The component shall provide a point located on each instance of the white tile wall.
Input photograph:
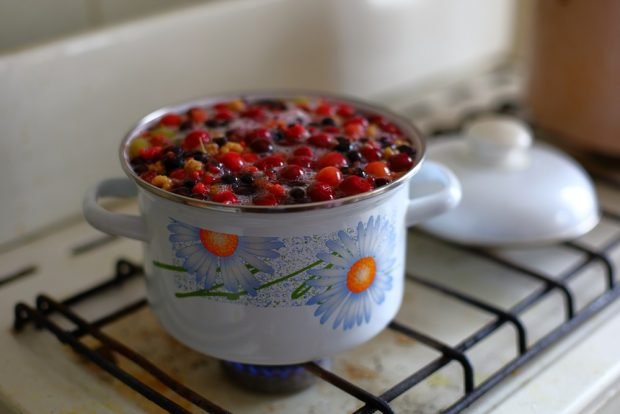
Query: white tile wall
(27, 22)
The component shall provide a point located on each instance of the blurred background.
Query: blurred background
(75, 75)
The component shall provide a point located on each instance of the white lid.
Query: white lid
(514, 192)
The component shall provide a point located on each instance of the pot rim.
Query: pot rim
(406, 126)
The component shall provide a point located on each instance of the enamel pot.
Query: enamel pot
(275, 285)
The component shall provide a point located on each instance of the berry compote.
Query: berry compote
(271, 152)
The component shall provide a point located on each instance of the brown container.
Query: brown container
(573, 88)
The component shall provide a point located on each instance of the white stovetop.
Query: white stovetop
(39, 375)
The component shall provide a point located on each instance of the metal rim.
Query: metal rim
(409, 130)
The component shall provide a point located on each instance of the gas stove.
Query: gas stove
(502, 331)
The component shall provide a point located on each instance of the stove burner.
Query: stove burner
(272, 379)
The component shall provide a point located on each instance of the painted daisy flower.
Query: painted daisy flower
(207, 254)
(357, 275)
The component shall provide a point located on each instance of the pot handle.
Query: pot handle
(116, 224)
(430, 204)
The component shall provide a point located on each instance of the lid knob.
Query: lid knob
(499, 140)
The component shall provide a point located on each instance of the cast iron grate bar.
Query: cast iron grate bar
(361, 394)
(24, 314)
(114, 316)
(19, 274)
(594, 307)
(502, 315)
(568, 296)
(447, 352)
(47, 304)
(592, 255)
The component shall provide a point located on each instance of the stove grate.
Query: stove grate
(40, 316)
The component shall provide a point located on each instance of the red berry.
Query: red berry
(249, 157)
(354, 185)
(370, 153)
(391, 129)
(357, 120)
(320, 140)
(320, 192)
(333, 159)
(196, 175)
(208, 179)
(199, 188)
(303, 151)
(292, 172)
(345, 110)
(254, 112)
(150, 153)
(354, 130)
(258, 133)
(400, 162)
(265, 199)
(249, 169)
(295, 132)
(158, 141)
(148, 176)
(225, 197)
(261, 145)
(224, 114)
(331, 129)
(271, 161)
(197, 115)
(178, 174)
(329, 175)
(301, 161)
(324, 109)
(194, 139)
(233, 161)
(377, 169)
(213, 169)
(275, 189)
(171, 119)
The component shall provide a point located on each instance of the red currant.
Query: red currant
(225, 197)
(377, 169)
(320, 192)
(301, 161)
(303, 151)
(265, 199)
(199, 188)
(197, 115)
(292, 172)
(320, 141)
(400, 162)
(370, 153)
(195, 139)
(345, 110)
(354, 185)
(233, 161)
(272, 161)
(295, 133)
(333, 159)
(329, 175)
(171, 120)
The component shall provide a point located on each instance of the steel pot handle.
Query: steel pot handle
(117, 224)
(425, 202)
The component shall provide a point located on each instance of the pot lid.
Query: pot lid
(514, 191)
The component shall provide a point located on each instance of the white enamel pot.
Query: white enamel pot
(275, 285)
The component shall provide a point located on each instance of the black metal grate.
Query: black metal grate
(45, 306)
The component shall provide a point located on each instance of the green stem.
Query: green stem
(236, 295)
(169, 267)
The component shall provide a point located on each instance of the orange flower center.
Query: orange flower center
(220, 244)
(361, 275)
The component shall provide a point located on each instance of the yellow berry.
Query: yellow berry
(157, 167)
(167, 132)
(231, 147)
(388, 152)
(136, 145)
(302, 100)
(212, 148)
(192, 165)
(236, 105)
(162, 181)
(372, 131)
